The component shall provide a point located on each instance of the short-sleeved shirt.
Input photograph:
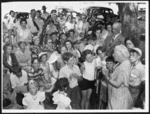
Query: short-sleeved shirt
(18, 82)
(66, 72)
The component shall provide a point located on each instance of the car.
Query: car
(107, 13)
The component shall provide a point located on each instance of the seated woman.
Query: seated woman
(36, 73)
(23, 55)
(45, 66)
(36, 47)
(9, 58)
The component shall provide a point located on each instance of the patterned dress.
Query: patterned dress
(120, 98)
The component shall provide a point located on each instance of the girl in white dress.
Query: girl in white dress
(60, 96)
(34, 98)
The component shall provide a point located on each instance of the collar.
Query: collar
(116, 35)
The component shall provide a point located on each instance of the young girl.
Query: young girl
(60, 96)
(34, 98)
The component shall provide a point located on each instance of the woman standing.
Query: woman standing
(120, 97)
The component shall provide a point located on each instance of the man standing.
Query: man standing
(33, 25)
(44, 14)
(115, 39)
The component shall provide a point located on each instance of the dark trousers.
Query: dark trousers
(75, 96)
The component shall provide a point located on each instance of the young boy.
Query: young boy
(105, 90)
(73, 74)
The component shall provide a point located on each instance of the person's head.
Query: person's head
(51, 22)
(62, 84)
(63, 49)
(100, 52)
(22, 45)
(43, 56)
(6, 40)
(68, 44)
(12, 13)
(17, 71)
(44, 8)
(62, 37)
(110, 62)
(38, 13)
(135, 54)
(116, 28)
(23, 23)
(68, 58)
(33, 87)
(131, 42)
(8, 47)
(84, 40)
(54, 36)
(49, 41)
(98, 31)
(33, 13)
(69, 18)
(87, 55)
(109, 27)
(71, 33)
(91, 40)
(36, 40)
(121, 53)
(35, 63)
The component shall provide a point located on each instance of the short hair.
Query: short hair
(99, 48)
(98, 28)
(38, 11)
(72, 30)
(7, 45)
(11, 12)
(33, 59)
(40, 58)
(53, 33)
(123, 49)
(32, 10)
(134, 40)
(85, 53)
(110, 59)
(61, 84)
(23, 20)
(19, 43)
(66, 56)
(68, 41)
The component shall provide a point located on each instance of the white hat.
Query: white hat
(137, 50)
(54, 56)
(42, 53)
(100, 16)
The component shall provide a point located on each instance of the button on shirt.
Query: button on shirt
(66, 72)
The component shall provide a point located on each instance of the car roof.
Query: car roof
(98, 7)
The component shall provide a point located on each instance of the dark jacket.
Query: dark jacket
(108, 47)
(14, 62)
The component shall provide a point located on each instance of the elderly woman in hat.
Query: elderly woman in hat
(23, 55)
(118, 80)
(137, 73)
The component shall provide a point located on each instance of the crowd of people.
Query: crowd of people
(58, 60)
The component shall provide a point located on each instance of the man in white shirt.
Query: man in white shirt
(19, 82)
(33, 24)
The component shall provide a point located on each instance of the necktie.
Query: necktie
(35, 24)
